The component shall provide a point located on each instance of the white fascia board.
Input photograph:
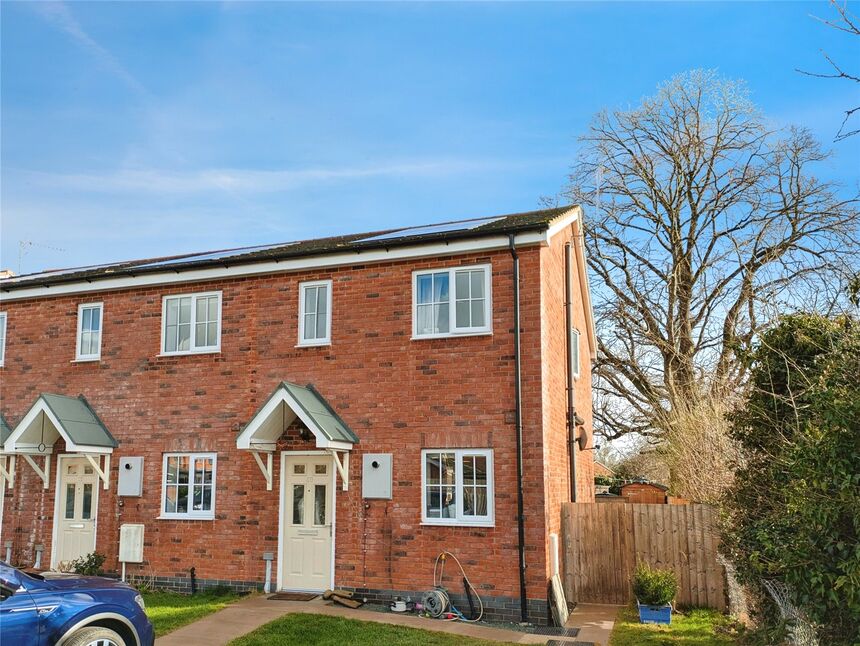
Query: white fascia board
(246, 439)
(276, 266)
(563, 221)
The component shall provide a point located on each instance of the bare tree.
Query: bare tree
(701, 220)
(849, 24)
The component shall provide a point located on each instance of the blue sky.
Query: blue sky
(131, 130)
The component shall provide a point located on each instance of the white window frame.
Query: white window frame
(453, 330)
(460, 520)
(302, 287)
(192, 349)
(98, 354)
(3, 317)
(190, 514)
(575, 352)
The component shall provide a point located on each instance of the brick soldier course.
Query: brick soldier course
(397, 394)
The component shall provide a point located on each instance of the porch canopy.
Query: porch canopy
(288, 402)
(52, 417)
(7, 462)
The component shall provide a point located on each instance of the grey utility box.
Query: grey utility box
(130, 477)
(376, 475)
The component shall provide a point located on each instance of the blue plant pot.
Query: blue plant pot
(654, 614)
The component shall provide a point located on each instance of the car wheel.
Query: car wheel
(95, 636)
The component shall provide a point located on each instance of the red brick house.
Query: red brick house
(347, 407)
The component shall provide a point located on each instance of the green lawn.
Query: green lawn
(699, 627)
(319, 630)
(168, 610)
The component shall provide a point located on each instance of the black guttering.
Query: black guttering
(518, 416)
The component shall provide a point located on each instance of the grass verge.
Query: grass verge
(321, 630)
(169, 610)
(694, 627)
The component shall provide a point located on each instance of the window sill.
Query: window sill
(212, 517)
(456, 523)
(422, 337)
(313, 344)
(86, 359)
(189, 353)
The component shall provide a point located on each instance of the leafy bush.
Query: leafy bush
(89, 565)
(654, 587)
(793, 513)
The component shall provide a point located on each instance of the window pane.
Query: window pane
(207, 470)
(184, 333)
(185, 310)
(480, 462)
(200, 336)
(319, 504)
(320, 469)
(87, 512)
(449, 503)
(85, 343)
(433, 468)
(442, 318)
(207, 499)
(182, 499)
(201, 309)
(213, 308)
(170, 500)
(463, 314)
(172, 469)
(310, 300)
(298, 469)
(440, 287)
(95, 323)
(70, 501)
(462, 285)
(434, 502)
(424, 325)
(298, 504)
(310, 326)
(182, 469)
(478, 313)
(321, 323)
(322, 299)
(212, 336)
(170, 339)
(425, 288)
(477, 277)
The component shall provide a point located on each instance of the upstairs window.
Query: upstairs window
(89, 340)
(315, 313)
(457, 486)
(191, 323)
(454, 301)
(2, 338)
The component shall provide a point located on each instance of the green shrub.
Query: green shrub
(654, 587)
(89, 565)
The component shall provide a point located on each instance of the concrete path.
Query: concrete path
(240, 618)
(595, 621)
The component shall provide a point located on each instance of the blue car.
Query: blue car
(51, 609)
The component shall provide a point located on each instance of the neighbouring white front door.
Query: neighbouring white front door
(78, 507)
(307, 544)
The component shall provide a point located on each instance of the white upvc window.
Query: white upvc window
(191, 323)
(448, 302)
(574, 352)
(88, 346)
(315, 312)
(2, 338)
(457, 487)
(188, 486)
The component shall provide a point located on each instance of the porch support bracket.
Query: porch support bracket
(342, 464)
(104, 474)
(7, 470)
(43, 474)
(265, 468)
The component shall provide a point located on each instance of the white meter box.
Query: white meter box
(130, 482)
(376, 475)
(131, 543)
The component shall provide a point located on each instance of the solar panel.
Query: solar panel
(463, 225)
(213, 255)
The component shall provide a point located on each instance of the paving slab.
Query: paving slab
(240, 618)
(595, 621)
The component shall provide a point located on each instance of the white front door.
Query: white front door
(78, 507)
(307, 544)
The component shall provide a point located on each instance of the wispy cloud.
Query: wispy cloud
(59, 15)
(254, 181)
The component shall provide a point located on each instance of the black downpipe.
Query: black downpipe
(571, 410)
(518, 414)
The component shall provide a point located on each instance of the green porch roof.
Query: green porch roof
(79, 420)
(319, 410)
(5, 431)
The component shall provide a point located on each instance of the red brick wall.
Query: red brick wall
(397, 394)
(556, 464)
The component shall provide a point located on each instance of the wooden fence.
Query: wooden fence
(603, 543)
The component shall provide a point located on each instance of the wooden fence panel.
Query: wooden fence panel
(603, 543)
